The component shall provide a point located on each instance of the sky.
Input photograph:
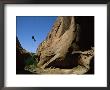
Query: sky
(37, 26)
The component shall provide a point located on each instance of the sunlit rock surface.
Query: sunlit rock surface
(61, 51)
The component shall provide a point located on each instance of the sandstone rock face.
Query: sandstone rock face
(60, 50)
(64, 35)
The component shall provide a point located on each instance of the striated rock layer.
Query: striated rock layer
(60, 52)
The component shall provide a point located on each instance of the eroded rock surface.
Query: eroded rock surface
(58, 42)
(60, 50)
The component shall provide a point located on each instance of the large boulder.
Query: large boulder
(61, 50)
(62, 37)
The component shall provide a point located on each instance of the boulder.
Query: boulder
(61, 38)
(61, 51)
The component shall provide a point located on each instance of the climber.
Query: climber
(33, 38)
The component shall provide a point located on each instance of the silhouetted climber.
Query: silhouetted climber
(33, 38)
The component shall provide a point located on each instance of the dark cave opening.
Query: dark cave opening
(86, 34)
